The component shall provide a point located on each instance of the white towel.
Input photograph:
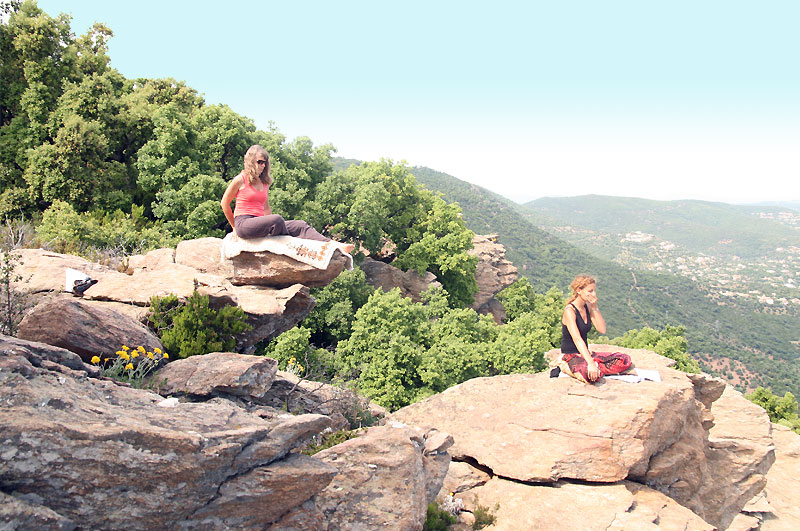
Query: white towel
(312, 252)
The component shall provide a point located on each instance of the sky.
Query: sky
(694, 99)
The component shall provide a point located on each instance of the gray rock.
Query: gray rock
(388, 277)
(84, 329)
(107, 456)
(386, 478)
(218, 373)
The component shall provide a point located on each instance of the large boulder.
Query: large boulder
(83, 328)
(345, 407)
(275, 270)
(783, 483)
(386, 478)
(493, 273)
(101, 455)
(388, 277)
(533, 428)
(218, 374)
(269, 311)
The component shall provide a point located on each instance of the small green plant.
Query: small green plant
(131, 366)
(193, 328)
(484, 516)
(323, 441)
(437, 519)
(12, 301)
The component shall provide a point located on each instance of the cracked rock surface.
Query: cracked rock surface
(102, 455)
(525, 429)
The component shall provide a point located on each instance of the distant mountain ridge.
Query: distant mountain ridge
(699, 226)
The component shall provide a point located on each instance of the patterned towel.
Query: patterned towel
(312, 252)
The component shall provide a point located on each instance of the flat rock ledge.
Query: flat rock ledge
(271, 309)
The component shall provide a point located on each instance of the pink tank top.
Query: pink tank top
(249, 201)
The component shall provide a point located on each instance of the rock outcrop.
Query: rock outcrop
(527, 429)
(83, 328)
(386, 478)
(388, 277)
(79, 450)
(274, 270)
(270, 311)
(493, 273)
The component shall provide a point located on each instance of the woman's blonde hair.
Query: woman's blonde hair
(251, 169)
(580, 282)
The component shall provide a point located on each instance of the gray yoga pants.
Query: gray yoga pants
(249, 227)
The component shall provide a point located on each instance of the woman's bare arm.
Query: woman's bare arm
(228, 197)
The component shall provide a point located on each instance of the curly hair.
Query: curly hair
(580, 282)
(253, 154)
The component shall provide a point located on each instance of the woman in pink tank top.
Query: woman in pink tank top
(252, 216)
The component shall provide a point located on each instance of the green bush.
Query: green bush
(192, 328)
(437, 519)
(65, 230)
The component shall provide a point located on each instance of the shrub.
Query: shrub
(437, 519)
(192, 328)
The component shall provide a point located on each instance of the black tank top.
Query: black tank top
(567, 344)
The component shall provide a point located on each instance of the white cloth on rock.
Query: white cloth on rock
(312, 252)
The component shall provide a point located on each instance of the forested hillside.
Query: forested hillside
(717, 229)
(632, 299)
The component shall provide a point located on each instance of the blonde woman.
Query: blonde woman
(580, 313)
(252, 216)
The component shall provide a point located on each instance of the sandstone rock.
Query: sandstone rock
(106, 456)
(274, 270)
(649, 432)
(494, 272)
(39, 354)
(270, 311)
(564, 505)
(218, 373)
(462, 477)
(86, 330)
(783, 482)
(16, 513)
(203, 254)
(345, 407)
(45, 271)
(384, 480)
(155, 259)
(388, 277)
(740, 454)
(509, 424)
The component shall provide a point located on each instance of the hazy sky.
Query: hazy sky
(683, 99)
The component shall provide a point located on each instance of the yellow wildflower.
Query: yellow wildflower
(120, 353)
(129, 367)
(140, 349)
(134, 354)
(95, 360)
(157, 350)
(166, 355)
(150, 355)
(124, 355)
(125, 348)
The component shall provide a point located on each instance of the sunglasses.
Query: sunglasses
(261, 161)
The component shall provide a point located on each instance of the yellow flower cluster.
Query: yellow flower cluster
(293, 366)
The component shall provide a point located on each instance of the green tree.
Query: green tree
(331, 320)
(669, 342)
(781, 410)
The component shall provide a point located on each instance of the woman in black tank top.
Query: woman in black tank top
(579, 315)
